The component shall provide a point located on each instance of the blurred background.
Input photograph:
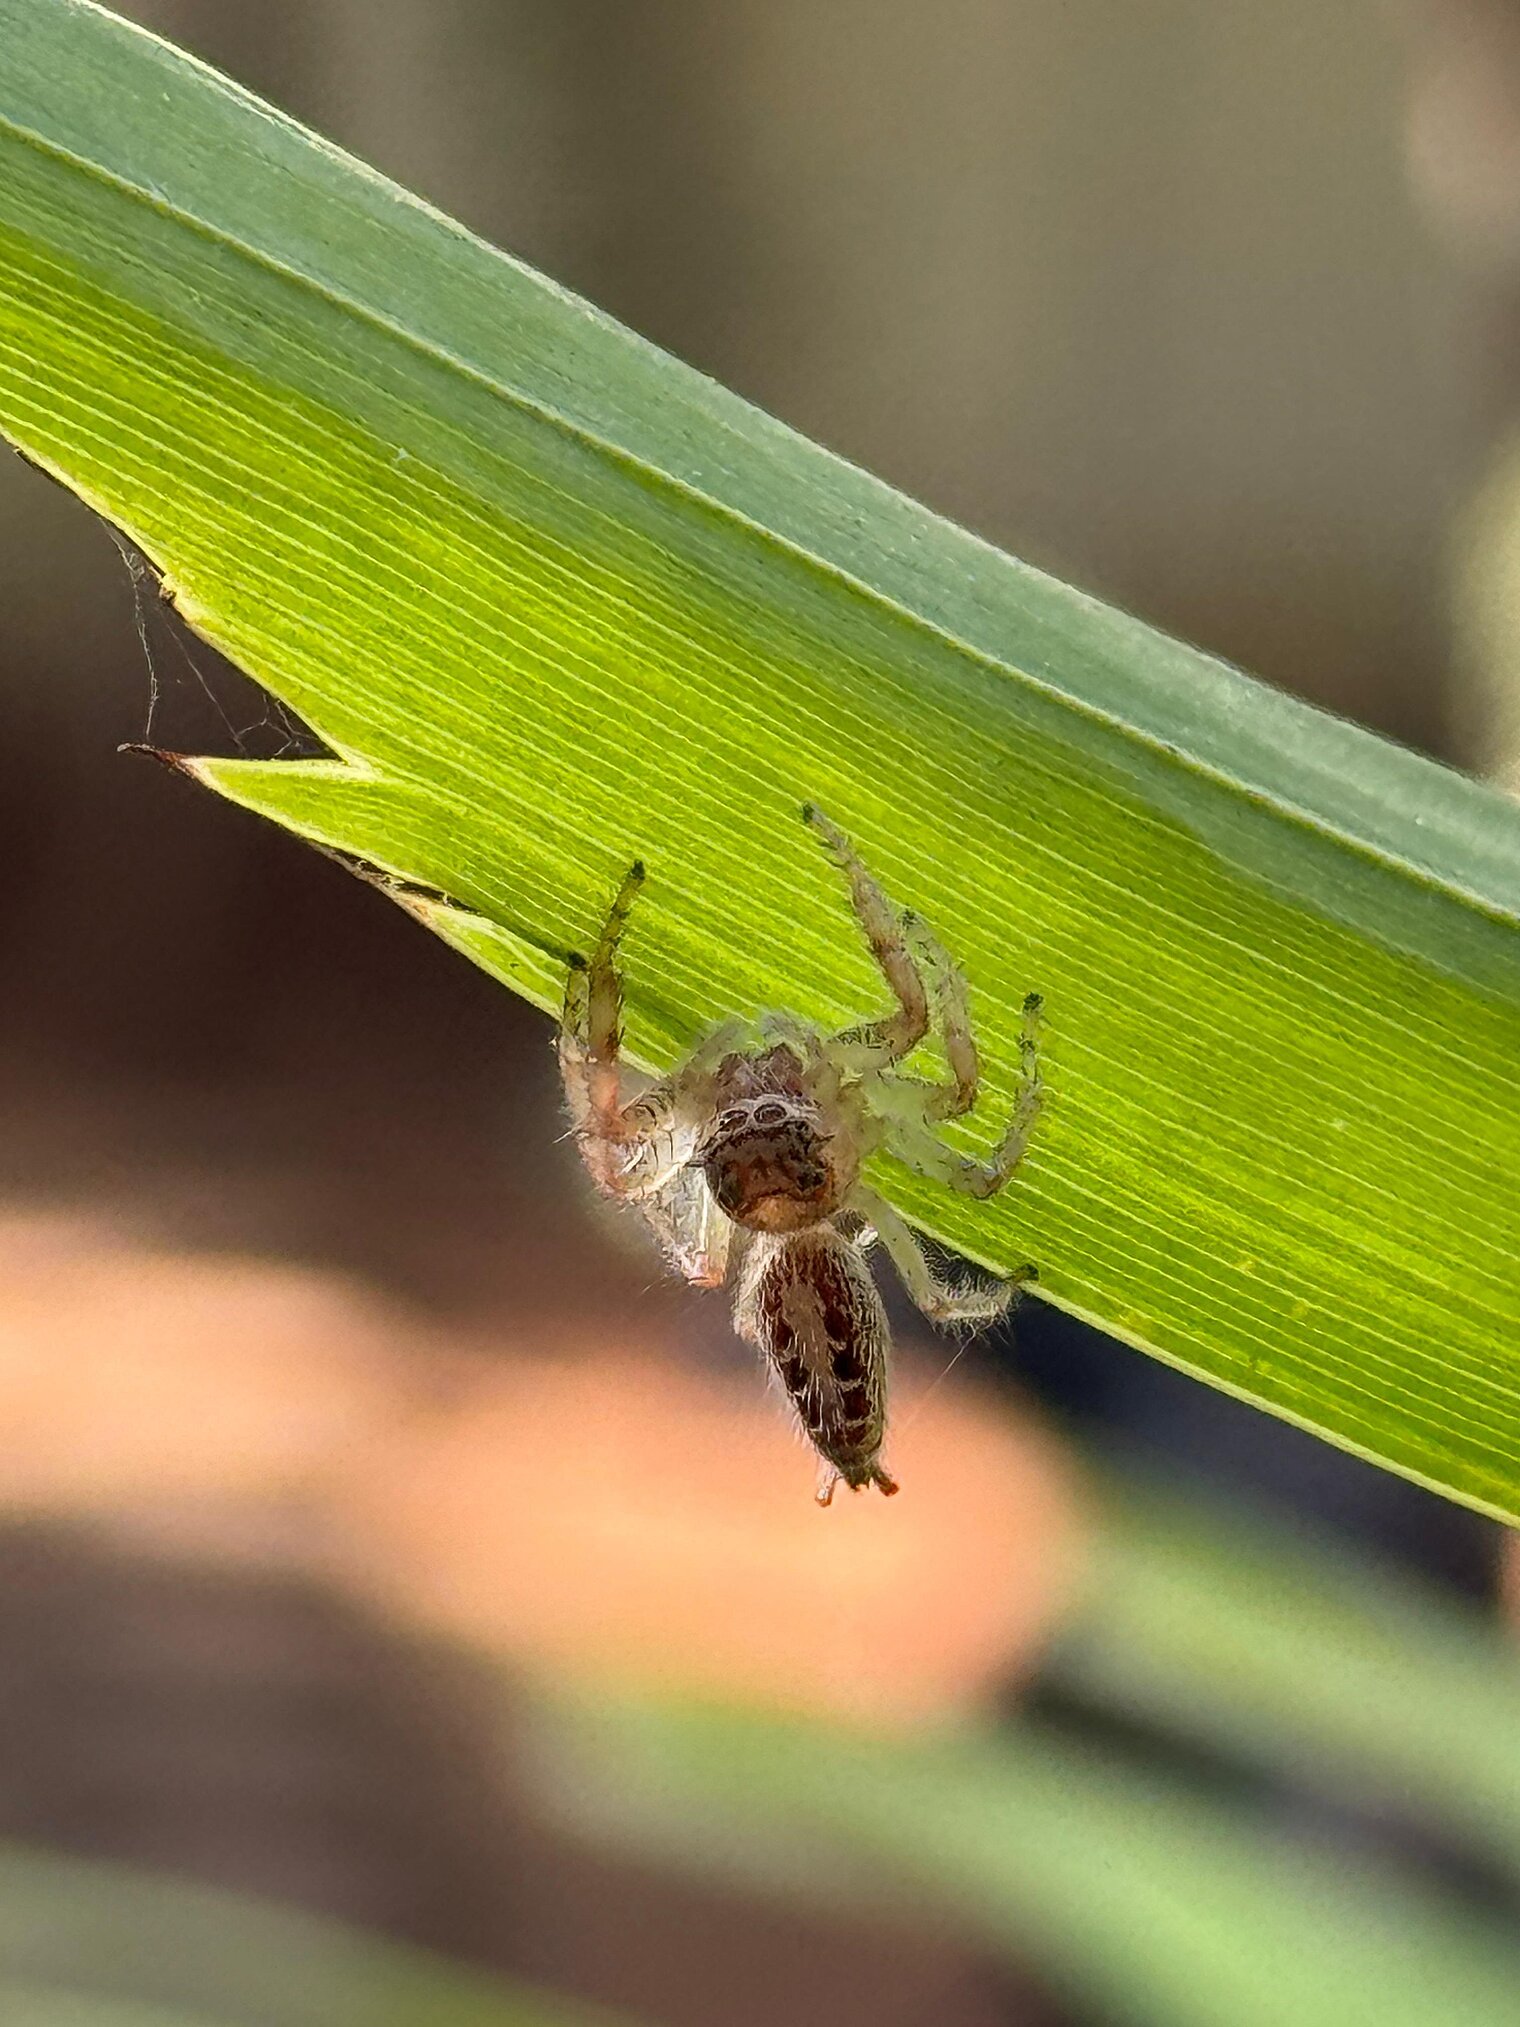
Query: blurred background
(333, 1417)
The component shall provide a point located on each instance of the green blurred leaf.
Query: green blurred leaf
(47, 2006)
(553, 600)
(154, 1952)
(1300, 1656)
(1128, 1892)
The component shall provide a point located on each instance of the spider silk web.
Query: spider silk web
(196, 699)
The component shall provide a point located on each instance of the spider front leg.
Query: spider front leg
(885, 1041)
(631, 1151)
(911, 1132)
(590, 1038)
(640, 1151)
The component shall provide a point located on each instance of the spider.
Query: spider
(748, 1158)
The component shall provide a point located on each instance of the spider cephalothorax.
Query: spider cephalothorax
(771, 1162)
(755, 1146)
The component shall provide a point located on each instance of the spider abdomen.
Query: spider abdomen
(812, 1307)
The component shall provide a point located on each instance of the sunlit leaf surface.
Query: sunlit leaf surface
(552, 601)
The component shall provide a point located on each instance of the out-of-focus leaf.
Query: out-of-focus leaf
(47, 2006)
(164, 1953)
(1131, 1893)
(1300, 1656)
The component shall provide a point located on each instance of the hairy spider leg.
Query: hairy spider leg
(952, 1003)
(911, 1135)
(619, 1144)
(940, 1300)
(695, 1236)
(604, 1008)
(638, 1151)
(889, 1040)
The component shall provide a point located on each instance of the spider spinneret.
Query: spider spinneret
(750, 1155)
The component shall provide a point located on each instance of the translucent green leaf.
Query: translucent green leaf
(553, 601)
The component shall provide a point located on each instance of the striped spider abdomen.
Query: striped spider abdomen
(809, 1302)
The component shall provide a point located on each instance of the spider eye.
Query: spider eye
(731, 1120)
(770, 1115)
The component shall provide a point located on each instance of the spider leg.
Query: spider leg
(661, 1125)
(914, 1139)
(630, 1150)
(940, 1300)
(952, 1002)
(696, 1237)
(641, 1151)
(604, 1005)
(590, 1036)
(884, 1041)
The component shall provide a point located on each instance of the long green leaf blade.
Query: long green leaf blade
(1130, 1892)
(553, 600)
(108, 1943)
(1288, 1652)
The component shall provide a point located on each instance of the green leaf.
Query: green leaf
(106, 1947)
(1170, 1895)
(49, 2006)
(1295, 1653)
(1129, 1892)
(554, 601)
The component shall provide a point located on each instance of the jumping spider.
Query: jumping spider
(751, 1152)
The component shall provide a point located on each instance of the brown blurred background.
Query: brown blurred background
(1211, 309)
